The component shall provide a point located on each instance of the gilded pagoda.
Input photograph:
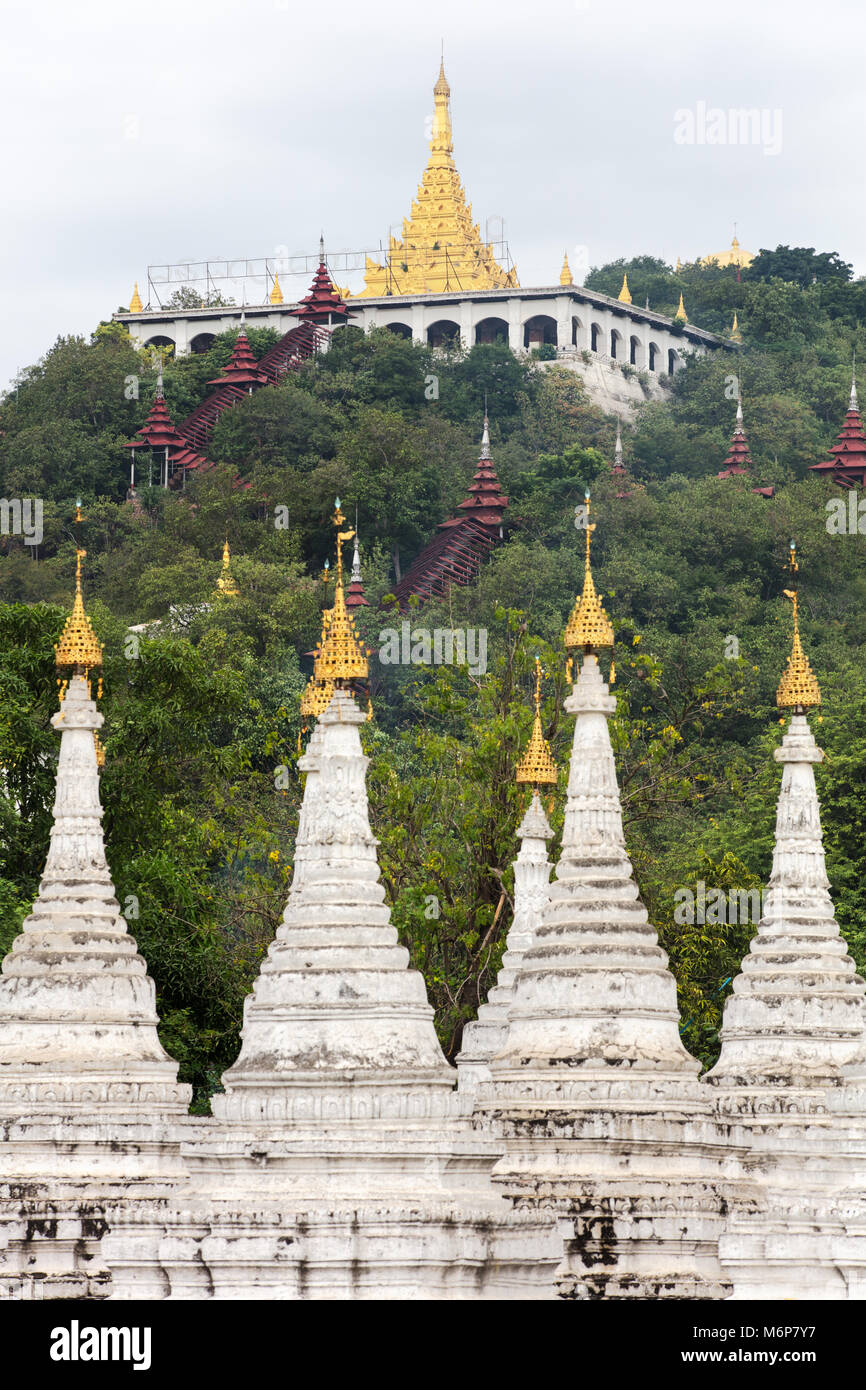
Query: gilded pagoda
(441, 250)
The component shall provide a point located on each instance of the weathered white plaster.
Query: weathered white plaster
(486, 1034)
(90, 1107)
(790, 1083)
(595, 1096)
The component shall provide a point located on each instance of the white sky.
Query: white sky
(202, 128)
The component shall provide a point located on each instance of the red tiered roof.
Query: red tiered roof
(323, 301)
(355, 592)
(739, 460)
(486, 502)
(242, 369)
(158, 432)
(848, 461)
(456, 554)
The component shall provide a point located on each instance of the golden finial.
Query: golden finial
(589, 626)
(625, 293)
(79, 651)
(681, 311)
(226, 583)
(798, 688)
(340, 656)
(135, 304)
(736, 335)
(565, 275)
(276, 292)
(537, 766)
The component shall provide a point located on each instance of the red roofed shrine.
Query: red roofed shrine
(847, 463)
(739, 460)
(158, 434)
(323, 304)
(456, 554)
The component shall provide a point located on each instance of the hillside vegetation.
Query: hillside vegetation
(202, 709)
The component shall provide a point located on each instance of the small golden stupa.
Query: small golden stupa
(537, 766)
(624, 295)
(565, 275)
(226, 581)
(589, 627)
(798, 688)
(276, 293)
(79, 650)
(680, 315)
(736, 334)
(135, 305)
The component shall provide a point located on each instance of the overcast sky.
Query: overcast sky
(166, 131)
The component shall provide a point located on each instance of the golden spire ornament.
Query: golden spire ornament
(680, 315)
(276, 295)
(135, 304)
(589, 626)
(537, 766)
(624, 295)
(79, 650)
(798, 688)
(226, 582)
(340, 656)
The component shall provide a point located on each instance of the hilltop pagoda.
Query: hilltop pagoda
(441, 250)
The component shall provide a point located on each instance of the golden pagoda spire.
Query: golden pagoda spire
(79, 650)
(798, 688)
(135, 305)
(340, 656)
(565, 275)
(226, 583)
(624, 295)
(537, 766)
(679, 264)
(736, 335)
(440, 249)
(680, 314)
(276, 292)
(589, 626)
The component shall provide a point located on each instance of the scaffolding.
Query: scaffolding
(254, 277)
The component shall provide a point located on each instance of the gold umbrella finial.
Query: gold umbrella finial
(798, 688)
(537, 766)
(340, 656)
(589, 626)
(79, 650)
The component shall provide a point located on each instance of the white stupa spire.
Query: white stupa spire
(486, 1034)
(337, 1023)
(77, 1007)
(798, 1009)
(593, 1091)
(617, 448)
(485, 437)
(852, 399)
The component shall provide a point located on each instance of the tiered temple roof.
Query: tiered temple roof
(159, 433)
(739, 460)
(441, 248)
(455, 555)
(847, 464)
(324, 302)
